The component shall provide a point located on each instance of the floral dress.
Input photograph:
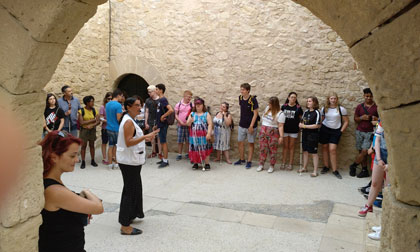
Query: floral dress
(199, 147)
(221, 134)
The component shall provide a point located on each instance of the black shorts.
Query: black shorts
(310, 141)
(104, 136)
(328, 135)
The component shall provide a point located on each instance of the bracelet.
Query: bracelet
(379, 160)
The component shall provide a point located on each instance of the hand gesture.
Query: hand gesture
(250, 130)
(280, 140)
(301, 125)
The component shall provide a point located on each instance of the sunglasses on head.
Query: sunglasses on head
(61, 134)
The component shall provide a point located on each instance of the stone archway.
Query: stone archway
(133, 84)
(382, 36)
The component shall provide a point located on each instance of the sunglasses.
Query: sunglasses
(61, 134)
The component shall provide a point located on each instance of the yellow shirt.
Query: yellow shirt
(88, 116)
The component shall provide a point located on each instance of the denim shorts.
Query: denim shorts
(243, 134)
(112, 137)
(104, 136)
(162, 133)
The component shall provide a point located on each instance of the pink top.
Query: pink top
(182, 110)
(103, 113)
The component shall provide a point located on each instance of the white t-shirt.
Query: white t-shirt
(332, 117)
(269, 121)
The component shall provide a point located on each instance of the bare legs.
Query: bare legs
(219, 156)
(103, 148)
(288, 149)
(329, 153)
(376, 186)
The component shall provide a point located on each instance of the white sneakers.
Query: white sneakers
(377, 233)
(260, 168)
(113, 166)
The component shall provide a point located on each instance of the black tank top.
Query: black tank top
(61, 230)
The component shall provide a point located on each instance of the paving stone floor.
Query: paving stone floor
(229, 208)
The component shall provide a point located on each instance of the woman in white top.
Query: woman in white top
(271, 133)
(222, 128)
(131, 153)
(334, 122)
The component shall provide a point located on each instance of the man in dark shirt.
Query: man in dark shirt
(162, 112)
(247, 124)
(365, 116)
(151, 104)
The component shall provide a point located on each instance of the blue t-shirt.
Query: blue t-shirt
(161, 109)
(112, 108)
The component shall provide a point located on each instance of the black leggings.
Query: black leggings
(131, 205)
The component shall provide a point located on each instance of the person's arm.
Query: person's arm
(254, 119)
(98, 120)
(210, 126)
(346, 123)
(281, 132)
(378, 151)
(60, 127)
(228, 120)
(146, 118)
(45, 124)
(129, 132)
(190, 120)
(176, 110)
(59, 197)
(170, 111)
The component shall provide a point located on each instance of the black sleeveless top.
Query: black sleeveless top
(61, 230)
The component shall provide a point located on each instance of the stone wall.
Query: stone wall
(276, 46)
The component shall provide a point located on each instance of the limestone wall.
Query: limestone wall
(211, 47)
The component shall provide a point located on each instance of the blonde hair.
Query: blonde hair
(151, 88)
(188, 92)
(327, 101)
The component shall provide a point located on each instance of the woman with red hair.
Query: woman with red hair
(65, 213)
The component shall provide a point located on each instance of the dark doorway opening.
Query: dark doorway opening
(133, 84)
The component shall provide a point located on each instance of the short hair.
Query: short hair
(151, 88)
(87, 99)
(161, 87)
(116, 93)
(367, 91)
(315, 101)
(63, 89)
(108, 94)
(188, 92)
(246, 86)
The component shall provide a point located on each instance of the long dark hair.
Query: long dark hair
(105, 100)
(128, 102)
(47, 104)
(287, 99)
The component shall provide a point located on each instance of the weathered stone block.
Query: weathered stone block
(390, 60)
(52, 21)
(26, 198)
(401, 133)
(22, 237)
(400, 225)
(349, 20)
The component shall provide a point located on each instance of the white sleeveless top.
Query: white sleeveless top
(133, 155)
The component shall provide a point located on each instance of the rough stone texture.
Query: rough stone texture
(215, 46)
(22, 237)
(88, 67)
(400, 225)
(401, 137)
(390, 59)
(34, 37)
(347, 17)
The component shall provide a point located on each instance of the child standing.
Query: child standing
(311, 122)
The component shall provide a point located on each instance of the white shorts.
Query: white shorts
(243, 134)
(292, 135)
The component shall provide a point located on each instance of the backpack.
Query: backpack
(191, 107)
(252, 105)
(93, 110)
(339, 111)
(170, 119)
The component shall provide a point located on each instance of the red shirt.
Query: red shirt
(366, 126)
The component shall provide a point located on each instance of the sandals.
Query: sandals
(289, 167)
(152, 155)
(302, 170)
(313, 175)
(282, 166)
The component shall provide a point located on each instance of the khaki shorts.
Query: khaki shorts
(87, 134)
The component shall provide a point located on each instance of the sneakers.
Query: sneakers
(282, 166)
(363, 212)
(375, 236)
(353, 169)
(337, 174)
(159, 162)
(163, 164)
(195, 166)
(115, 166)
(248, 165)
(93, 163)
(260, 168)
(207, 167)
(239, 162)
(179, 157)
(376, 228)
(378, 203)
(105, 162)
(271, 169)
(83, 165)
(364, 173)
(364, 190)
(325, 170)
(187, 156)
